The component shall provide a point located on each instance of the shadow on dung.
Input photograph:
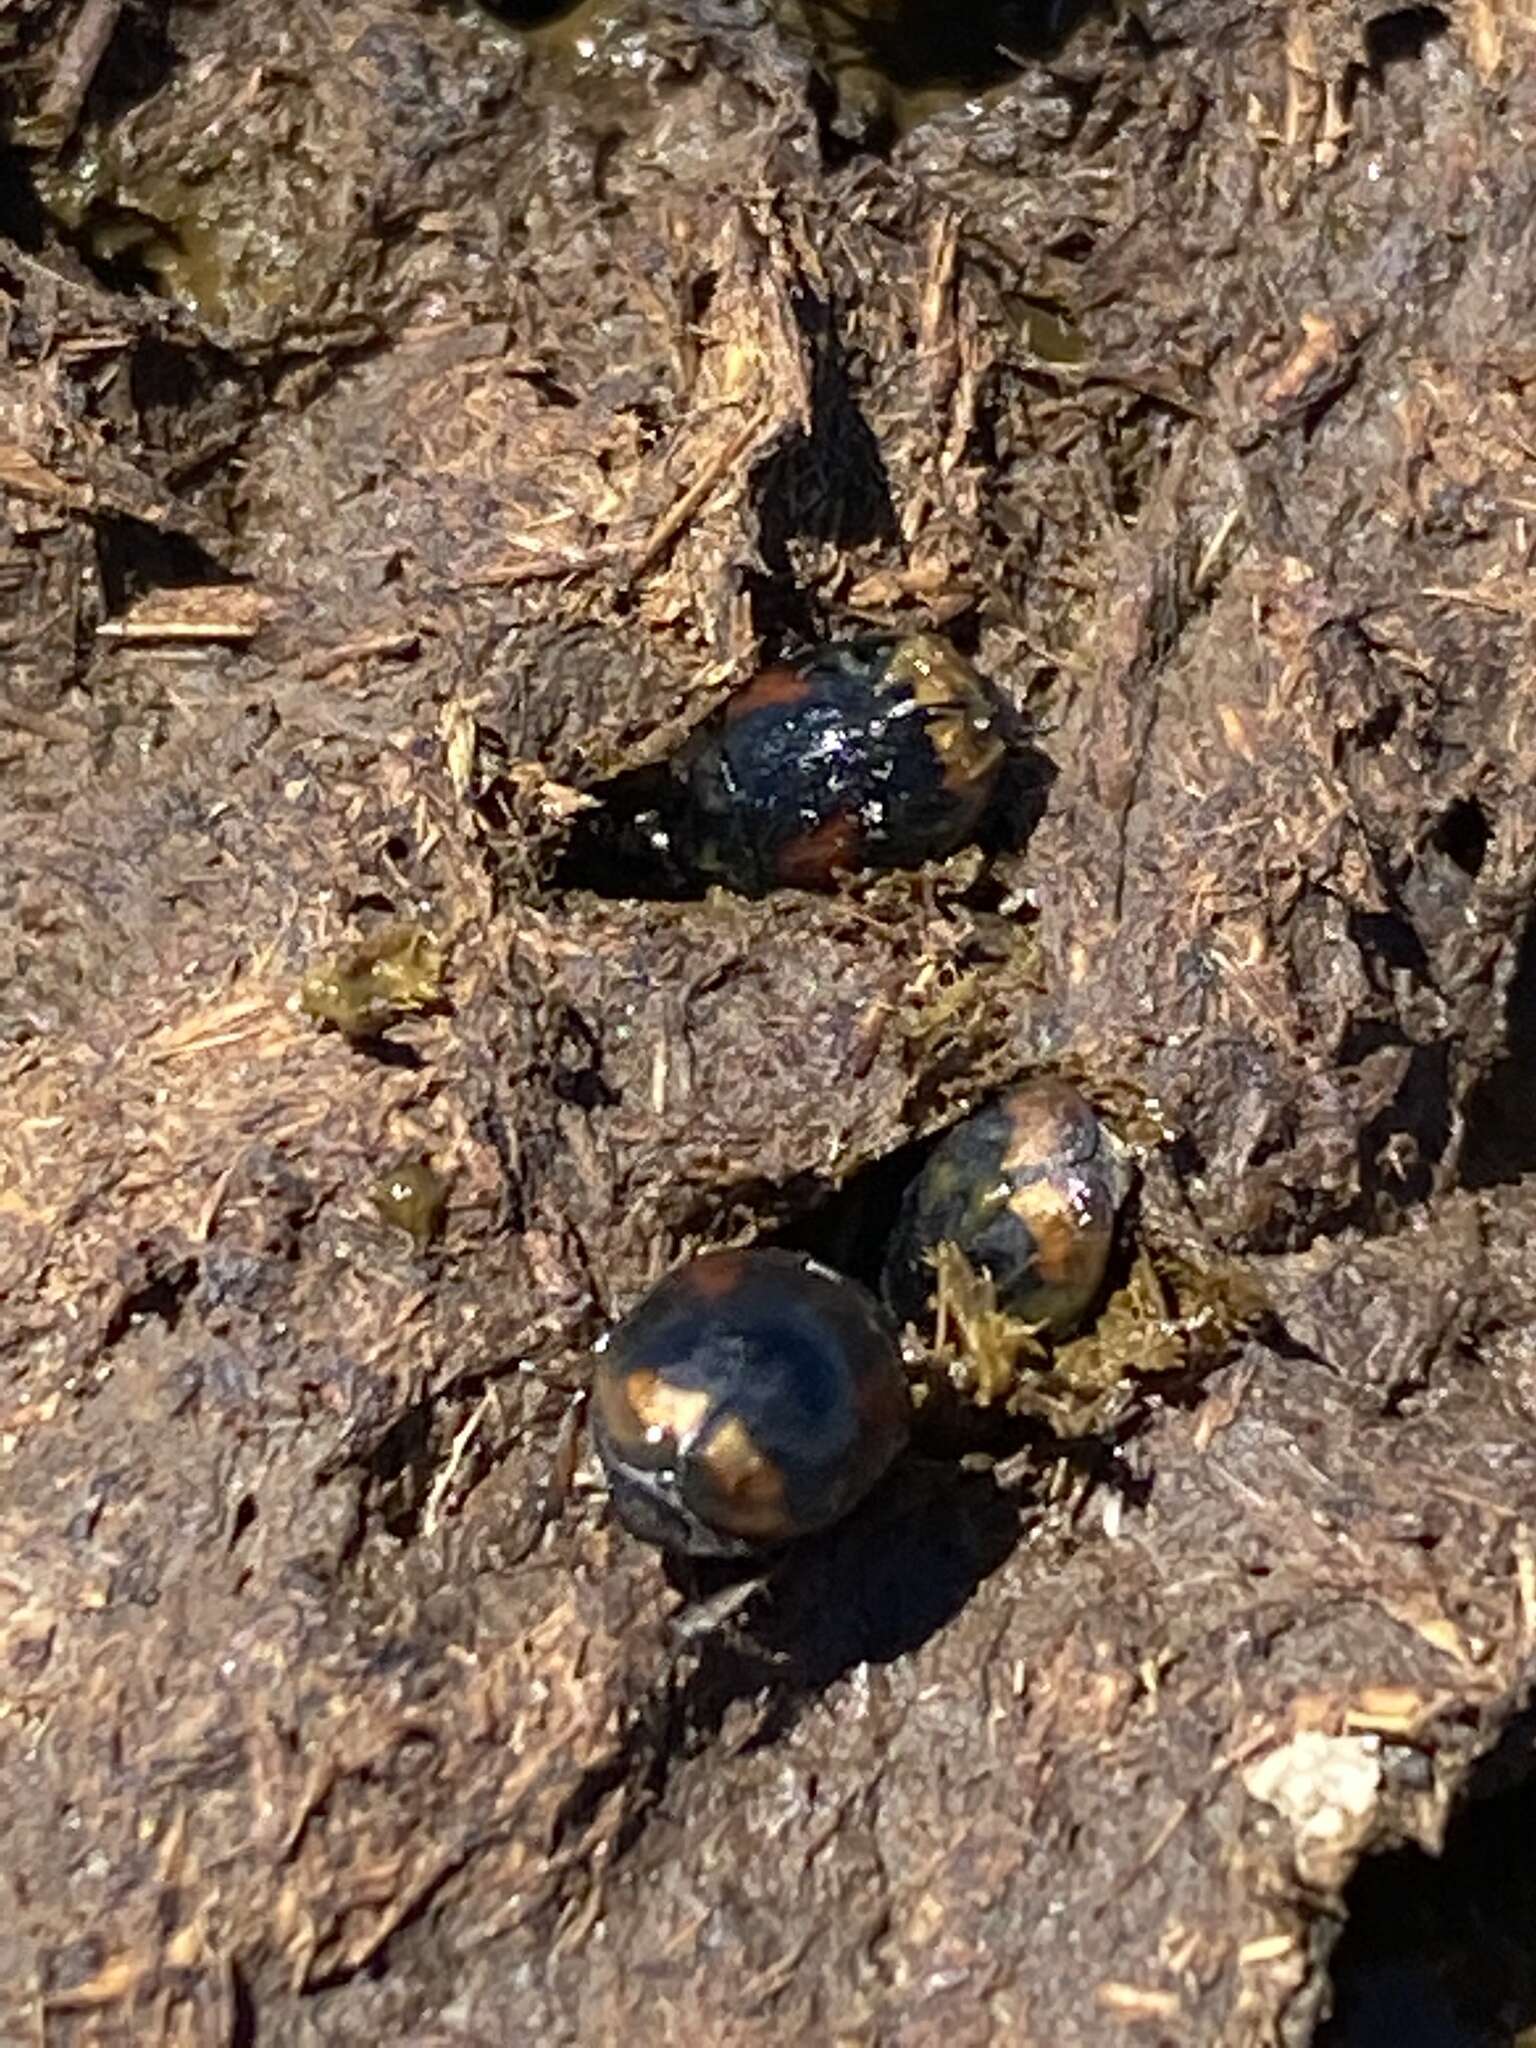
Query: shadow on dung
(873, 1589)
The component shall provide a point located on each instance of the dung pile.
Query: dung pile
(411, 431)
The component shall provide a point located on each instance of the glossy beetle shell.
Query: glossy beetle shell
(751, 1397)
(1028, 1189)
(866, 753)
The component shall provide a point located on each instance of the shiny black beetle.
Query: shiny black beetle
(861, 754)
(1028, 1188)
(752, 1397)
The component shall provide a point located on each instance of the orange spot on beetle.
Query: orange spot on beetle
(780, 684)
(1057, 1229)
(746, 1490)
(713, 1275)
(810, 860)
(654, 1404)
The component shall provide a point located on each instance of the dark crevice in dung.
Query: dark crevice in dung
(828, 484)
(1463, 835)
(921, 44)
(530, 13)
(848, 1227)
(22, 214)
(136, 63)
(1437, 1951)
(160, 1295)
(1402, 36)
(137, 558)
(399, 1468)
(1500, 1144)
(621, 849)
(1401, 1147)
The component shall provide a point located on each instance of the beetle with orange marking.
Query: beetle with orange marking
(752, 1397)
(870, 753)
(1029, 1189)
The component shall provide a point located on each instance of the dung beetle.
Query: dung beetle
(752, 1397)
(869, 753)
(1028, 1188)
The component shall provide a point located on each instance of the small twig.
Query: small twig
(327, 660)
(226, 631)
(672, 522)
(455, 1458)
(1210, 554)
